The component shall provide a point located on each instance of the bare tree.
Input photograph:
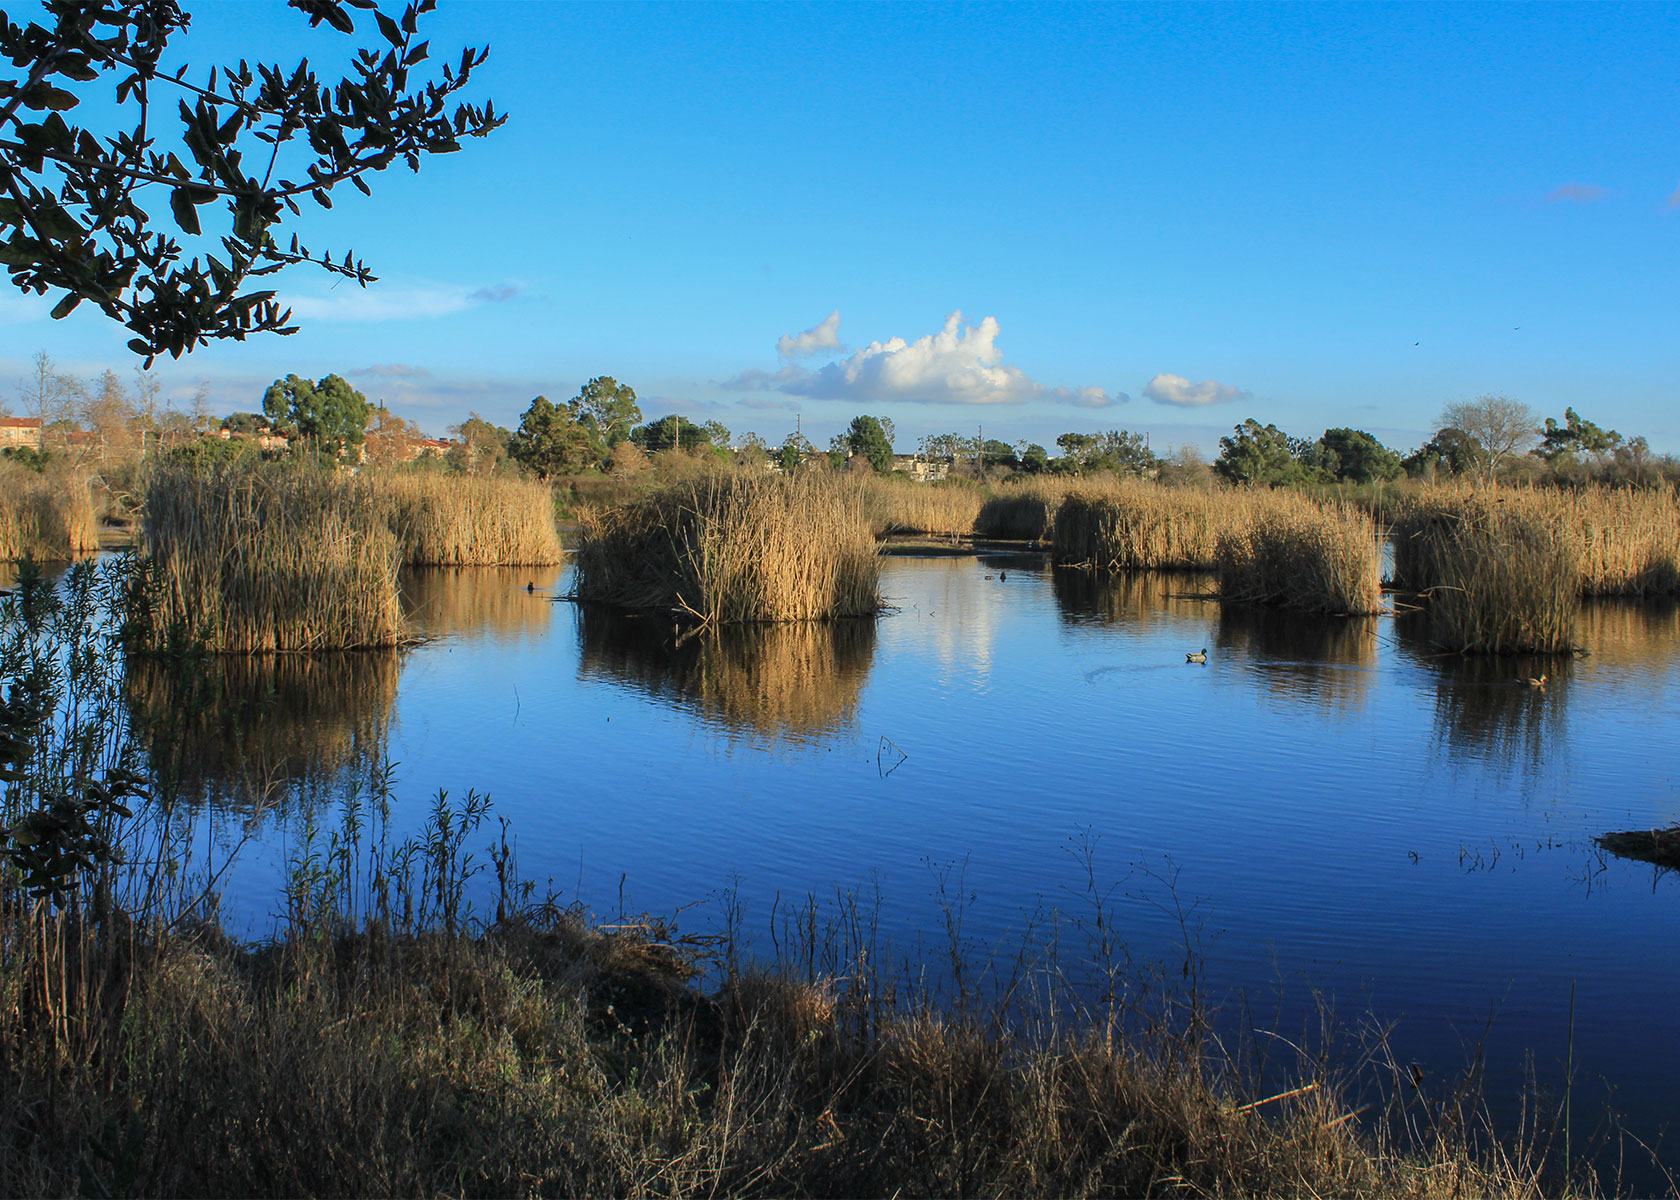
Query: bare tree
(51, 396)
(1502, 425)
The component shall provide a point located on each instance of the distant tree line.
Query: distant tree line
(601, 430)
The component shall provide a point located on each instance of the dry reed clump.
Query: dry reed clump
(902, 505)
(1626, 541)
(1023, 509)
(460, 520)
(47, 517)
(1305, 558)
(1136, 525)
(250, 557)
(1498, 578)
(734, 548)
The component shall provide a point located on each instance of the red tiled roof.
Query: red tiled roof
(20, 422)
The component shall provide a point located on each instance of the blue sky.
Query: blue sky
(1159, 218)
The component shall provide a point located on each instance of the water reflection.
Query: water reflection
(1326, 659)
(502, 603)
(1630, 640)
(1483, 707)
(1134, 597)
(239, 729)
(796, 682)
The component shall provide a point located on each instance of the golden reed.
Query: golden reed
(728, 548)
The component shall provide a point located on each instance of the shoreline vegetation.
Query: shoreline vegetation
(389, 1039)
(252, 557)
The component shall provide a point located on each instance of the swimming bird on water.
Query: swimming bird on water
(1198, 658)
(530, 587)
(1530, 681)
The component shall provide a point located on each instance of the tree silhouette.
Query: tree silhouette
(259, 140)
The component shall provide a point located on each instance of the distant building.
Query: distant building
(922, 469)
(20, 433)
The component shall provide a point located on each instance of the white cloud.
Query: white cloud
(1576, 193)
(758, 402)
(824, 335)
(1175, 389)
(958, 365)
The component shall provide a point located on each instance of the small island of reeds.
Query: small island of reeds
(729, 548)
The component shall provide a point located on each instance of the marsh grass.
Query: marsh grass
(1304, 558)
(50, 517)
(1023, 509)
(727, 548)
(253, 558)
(460, 520)
(898, 504)
(1140, 526)
(1498, 578)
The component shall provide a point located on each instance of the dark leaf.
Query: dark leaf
(186, 216)
(65, 306)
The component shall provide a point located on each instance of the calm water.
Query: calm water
(1339, 811)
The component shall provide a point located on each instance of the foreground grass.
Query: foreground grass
(548, 1057)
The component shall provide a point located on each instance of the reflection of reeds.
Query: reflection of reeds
(253, 557)
(1300, 656)
(793, 682)
(233, 726)
(45, 517)
(461, 520)
(1498, 578)
(469, 601)
(1132, 597)
(1306, 558)
(735, 548)
(1482, 709)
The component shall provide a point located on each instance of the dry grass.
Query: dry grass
(1305, 558)
(1024, 508)
(1625, 542)
(732, 548)
(48, 517)
(1499, 578)
(552, 1058)
(899, 504)
(461, 520)
(248, 558)
(1135, 525)
(797, 682)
